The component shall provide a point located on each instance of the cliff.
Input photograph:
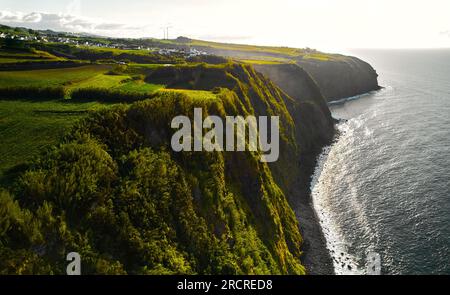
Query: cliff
(342, 76)
(116, 192)
(312, 127)
(296, 82)
(299, 85)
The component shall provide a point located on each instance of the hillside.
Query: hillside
(88, 164)
(341, 78)
(114, 191)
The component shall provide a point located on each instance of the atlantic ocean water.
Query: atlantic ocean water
(384, 186)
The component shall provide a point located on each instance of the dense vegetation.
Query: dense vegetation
(107, 95)
(114, 192)
(37, 93)
(28, 127)
(36, 106)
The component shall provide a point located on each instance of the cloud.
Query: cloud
(33, 17)
(445, 33)
(7, 16)
(68, 23)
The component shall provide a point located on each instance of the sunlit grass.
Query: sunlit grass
(27, 127)
(195, 94)
(13, 56)
(318, 56)
(73, 78)
(260, 62)
(51, 77)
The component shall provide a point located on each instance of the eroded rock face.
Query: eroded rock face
(295, 82)
(342, 77)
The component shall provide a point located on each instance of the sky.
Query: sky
(328, 25)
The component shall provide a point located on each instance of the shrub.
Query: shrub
(107, 95)
(118, 70)
(32, 93)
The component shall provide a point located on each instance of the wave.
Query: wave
(346, 99)
(344, 263)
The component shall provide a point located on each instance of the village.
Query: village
(99, 42)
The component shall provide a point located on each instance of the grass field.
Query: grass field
(286, 54)
(27, 128)
(116, 51)
(195, 94)
(78, 77)
(260, 62)
(10, 56)
(52, 77)
(242, 47)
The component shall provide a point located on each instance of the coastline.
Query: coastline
(316, 256)
(343, 262)
(324, 250)
(335, 246)
(355, 97)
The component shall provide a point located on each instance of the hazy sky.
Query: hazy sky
(331, 25)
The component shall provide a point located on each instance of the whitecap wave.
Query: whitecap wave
(344, 263)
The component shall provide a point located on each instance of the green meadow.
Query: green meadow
(13, 56)
(77, 77)
(55, 77)
(29, 126)
(202, 95)
(254, 54)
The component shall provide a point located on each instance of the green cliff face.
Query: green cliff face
(115, 192)
(342, 77)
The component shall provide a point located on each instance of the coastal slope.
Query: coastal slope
(341, 77)
(114, 191)
(299, 85)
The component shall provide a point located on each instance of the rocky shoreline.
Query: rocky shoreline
(304, 86)
(316, 256)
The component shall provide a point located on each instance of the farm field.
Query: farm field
(12, 56)
(27, 128)
(194, 94)
(53, 77)
(72, 78)
(254, 53)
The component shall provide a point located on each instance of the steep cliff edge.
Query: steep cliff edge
(295, 81)
(342, 76)
(299, 85)
(312, 127)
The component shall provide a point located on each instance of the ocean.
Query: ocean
(383, 188)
